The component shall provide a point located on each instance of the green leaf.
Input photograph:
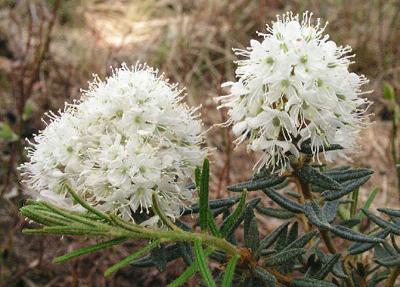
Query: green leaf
(368, 202)
(197, 176)
(389, 261)
(327, 267)
(310, 175)
(272, 237)
(203, 196)
(281, 241)
(159, 257)
(251, 235)
(348, 187)
(293, 233)
(186, 252)
(267, 278)
(213, 204)
(212, 225)
(307, 148)
(358, 248)
(388, 92)
(382, 223)
(283, 201)
(308, 282)
(348, 174)
(303, 240)
(275, 212)
(228, 224)
(230, 271)
(6, 133)
(377, 278)
(127, 260)
(329, 210)
(188, 273)
(284, 256)
(350, 223)
(351, 235)
(257, 184)
(202, 264)
(390, 212)
(170, 252)
(315, 215)
(89, 249)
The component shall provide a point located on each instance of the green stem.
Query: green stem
(394, 273)
(178, 235)
(164, 218)
(84, 204)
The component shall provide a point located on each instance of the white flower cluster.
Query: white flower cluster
(294, 86)
(127, 138)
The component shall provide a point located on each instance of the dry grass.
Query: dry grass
(190, 41)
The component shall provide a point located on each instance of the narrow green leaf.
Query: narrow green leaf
(213, 204)
(348, 174)
(212, 226)
(43, 217)
(202, 264)
(327, 267)
(281, 241)
(293, 233)
(377, 278)
(275, 212)
(283, 201)
(89, 249)
(186, 252)
(127, 260)
(389, 261)
(329, 210)
(203, 195)
(309, 174)
(284, 256)
(351, 235)
(368, 202)
(197, 176)
(354, 203)
(251, 235)
(315, 215)
(308, 282)
(348, 187)
(188, 273)
(307, 148)
(267, 278)
(382, 223)
(159, 257)
(229, 222)
(390, 212)
(358, 248)
(302, 241)
(257, 184)
(169, 252)
(272, 237)
(230, 271)
(67, 230)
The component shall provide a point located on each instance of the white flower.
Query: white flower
(294, 86)
(127, 138)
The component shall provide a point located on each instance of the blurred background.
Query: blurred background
(50, 49)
